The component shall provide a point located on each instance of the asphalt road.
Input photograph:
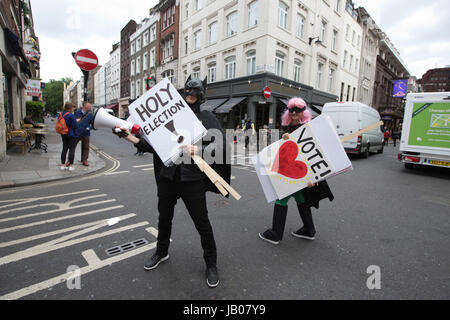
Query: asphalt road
(384, 218)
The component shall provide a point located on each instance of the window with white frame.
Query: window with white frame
(356, 65)
(152, 57)
(253, 14)
(139, 44)
(212, 72)
(230, 68)
(138, 65)
(335, 40)
(138, 88)
(319, 74)
(187, 10)
(331, 80)
(338, 6)
(279, 63)
(168, 74)
(358, 43)
(297, 70)
(282, 15)
(196, 73)
(198, 4)
(350, 68)
(197, 39)
(347, 32)
(133, 48)
(133, 67)
(251, 62)
(344, 63)
(133, 90)
(145, 62)
(153, 34)
(323, 31)
(353, 37)
(146, 39)
(232, 24)
(172, 17)
(300, 26)
(213, 32)
(186, 44)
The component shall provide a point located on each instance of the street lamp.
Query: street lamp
(317, 41)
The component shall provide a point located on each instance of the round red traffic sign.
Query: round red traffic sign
(267, 92)
(86, 60)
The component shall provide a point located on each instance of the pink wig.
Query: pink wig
(299, 103)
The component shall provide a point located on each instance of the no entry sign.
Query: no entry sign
(86, 60)
(267, 92)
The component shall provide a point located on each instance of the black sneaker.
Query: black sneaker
(302, 233)
(155, 260)
(269, 237)
(212, 277)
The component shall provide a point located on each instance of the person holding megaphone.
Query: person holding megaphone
(187, 182)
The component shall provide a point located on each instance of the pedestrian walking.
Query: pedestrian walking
(248, 125)
(395, 136)
(386, 137)
(84, 118)
(187, 182)
(69, 139)
(292, 119)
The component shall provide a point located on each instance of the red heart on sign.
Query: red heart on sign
(285, 163)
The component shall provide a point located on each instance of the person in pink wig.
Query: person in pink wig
(293, 118)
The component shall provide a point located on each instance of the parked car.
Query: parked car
(350, 117)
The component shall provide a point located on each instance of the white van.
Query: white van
(350, 117)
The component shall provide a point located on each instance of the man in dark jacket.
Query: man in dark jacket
(84, 118)
(187, 182)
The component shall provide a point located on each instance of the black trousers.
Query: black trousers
(69, 144)
(193, 195)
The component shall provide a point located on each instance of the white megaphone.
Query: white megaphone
(102, 119)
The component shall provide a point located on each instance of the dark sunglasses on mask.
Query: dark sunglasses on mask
(297, 110)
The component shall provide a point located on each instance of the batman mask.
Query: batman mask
(196, 88)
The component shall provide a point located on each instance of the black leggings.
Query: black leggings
(193, 196)
(69, 143)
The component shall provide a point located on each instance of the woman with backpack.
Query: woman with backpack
(67, 127)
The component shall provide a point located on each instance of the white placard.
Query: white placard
(167, 122)
(312, 154)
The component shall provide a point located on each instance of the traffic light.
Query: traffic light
(149, 83)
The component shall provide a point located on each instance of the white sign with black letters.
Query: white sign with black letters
(167, 122)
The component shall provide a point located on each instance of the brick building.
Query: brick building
(436, 80)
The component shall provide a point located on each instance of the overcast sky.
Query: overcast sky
(419, 30)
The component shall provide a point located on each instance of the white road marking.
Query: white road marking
(152, 231)
(49, 234)
(144, 165)
(91, 257)
(56, 210)
(62, 278)
(114, 173)
(149, 169)
(59, 219)
(62, 243)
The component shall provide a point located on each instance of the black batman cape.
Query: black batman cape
(209, 121)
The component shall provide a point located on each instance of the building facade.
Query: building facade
(125, 66)
(244, 46)
(436, 80)
(115, 73)
(16, 66)
(167, 46)
(143, 55)
(390, 67)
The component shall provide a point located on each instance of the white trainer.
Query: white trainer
(71, 168)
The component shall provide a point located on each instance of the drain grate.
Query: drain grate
(126, 247)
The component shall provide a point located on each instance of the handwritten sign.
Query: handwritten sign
(167, 122)
(312, 154)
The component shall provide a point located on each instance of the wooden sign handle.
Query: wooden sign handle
(371, 127)
(215, 178)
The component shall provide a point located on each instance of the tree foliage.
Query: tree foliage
(53, 95)
(35, 108)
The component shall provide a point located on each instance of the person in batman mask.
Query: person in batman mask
(187, 182)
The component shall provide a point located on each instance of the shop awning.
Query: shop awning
(315, 110)
(14, 43)
(212, 104)
(226, 107)
(113, 106)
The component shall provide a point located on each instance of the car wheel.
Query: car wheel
(366, 153)
(381, 150)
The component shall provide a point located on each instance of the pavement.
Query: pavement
(38, 166)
